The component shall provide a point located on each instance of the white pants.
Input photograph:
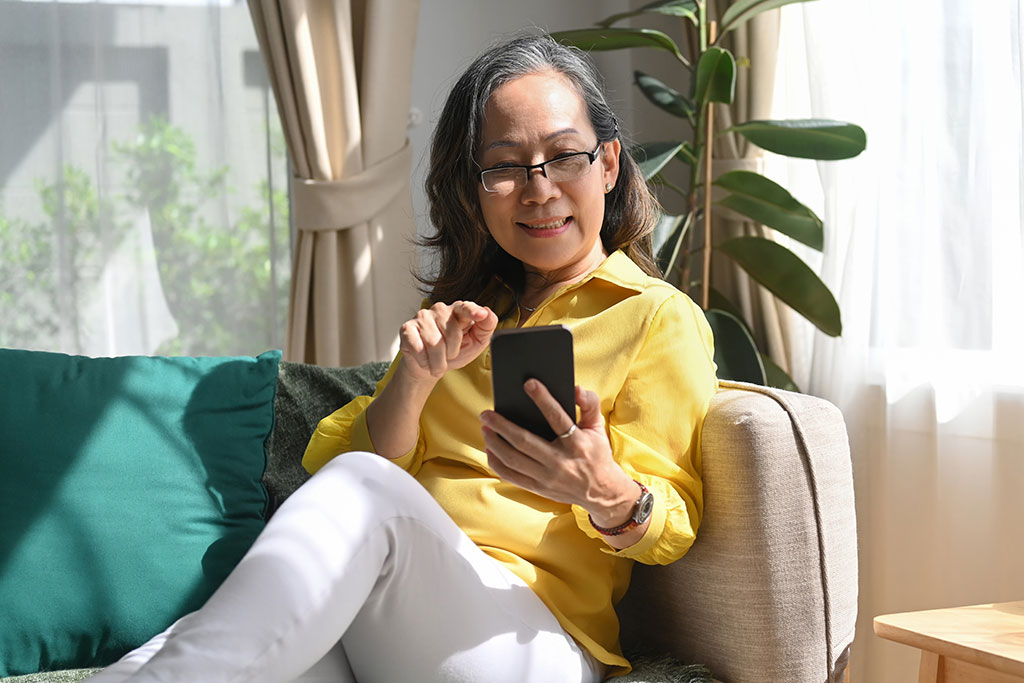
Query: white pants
(361, 575)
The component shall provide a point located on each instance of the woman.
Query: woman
(501, 557)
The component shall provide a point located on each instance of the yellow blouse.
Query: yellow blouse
(646, 349)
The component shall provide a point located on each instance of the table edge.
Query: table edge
(945, 648)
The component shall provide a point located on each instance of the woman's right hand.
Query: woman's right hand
(440, 338)
(445, 337)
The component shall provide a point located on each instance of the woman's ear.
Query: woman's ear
(610, 162)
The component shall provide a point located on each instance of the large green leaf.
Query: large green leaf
(688, 155)
(663, 231)
(618, 39)
(718, 300)
(735, 352)
(675, 8)
(716, 77)
(774, 375)
(652, 156)
(777, 377)
(743, 10)
(806, 138)
(787, 277)
(663, 96)
(668, 252)
(767, 202)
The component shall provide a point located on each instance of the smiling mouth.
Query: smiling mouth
(550, 225)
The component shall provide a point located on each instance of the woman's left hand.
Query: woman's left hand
(578, 469)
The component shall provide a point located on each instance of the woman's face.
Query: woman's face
(553, 228)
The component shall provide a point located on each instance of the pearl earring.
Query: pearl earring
(607, 188)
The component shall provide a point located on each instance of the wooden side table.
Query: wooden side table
(976, 644)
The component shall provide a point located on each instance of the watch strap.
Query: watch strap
(628, 524)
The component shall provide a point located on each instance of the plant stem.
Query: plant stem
(702, 20)
(690, 32)
(697, 44)
(708, 142)
(679, 243)
(697, 133)
(684, 258)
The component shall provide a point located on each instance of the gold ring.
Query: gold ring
(570, 432)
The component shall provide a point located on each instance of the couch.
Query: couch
(768, 592)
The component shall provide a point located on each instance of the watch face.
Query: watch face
(644, 507)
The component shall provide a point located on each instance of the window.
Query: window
(143, 181)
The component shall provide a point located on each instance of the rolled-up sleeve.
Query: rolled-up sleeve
(345, 430)
(654, 428)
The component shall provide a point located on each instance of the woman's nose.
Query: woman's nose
(539, 188)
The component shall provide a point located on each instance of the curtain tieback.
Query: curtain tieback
(322, 205)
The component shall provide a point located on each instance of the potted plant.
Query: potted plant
(683, 243)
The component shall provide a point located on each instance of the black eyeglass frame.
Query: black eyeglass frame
(592, 156)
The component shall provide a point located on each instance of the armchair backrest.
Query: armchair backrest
(768, 592)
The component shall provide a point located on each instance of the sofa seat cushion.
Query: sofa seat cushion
(129, 488)
(653, 670)
(65, 676)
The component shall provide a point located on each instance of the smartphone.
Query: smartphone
(542, 353)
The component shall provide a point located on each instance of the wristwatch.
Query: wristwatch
(641, 513)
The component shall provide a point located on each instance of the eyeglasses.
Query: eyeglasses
(506, 179)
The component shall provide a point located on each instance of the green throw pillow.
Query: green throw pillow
(129, 488)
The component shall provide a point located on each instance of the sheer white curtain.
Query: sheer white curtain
(924, 253)
(143, 191)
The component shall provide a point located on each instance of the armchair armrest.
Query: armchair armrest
(768, 592)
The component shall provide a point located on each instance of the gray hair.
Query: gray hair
(532, 54)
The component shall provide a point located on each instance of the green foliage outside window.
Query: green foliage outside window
(223, 290)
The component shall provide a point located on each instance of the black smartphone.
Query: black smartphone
(542, 353)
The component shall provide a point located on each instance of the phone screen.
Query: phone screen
(542, 353)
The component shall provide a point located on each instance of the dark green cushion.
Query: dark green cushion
(305, 395)
(129, 488)
(659, 669)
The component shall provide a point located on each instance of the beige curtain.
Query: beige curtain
(341, 71)
(758, 40)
